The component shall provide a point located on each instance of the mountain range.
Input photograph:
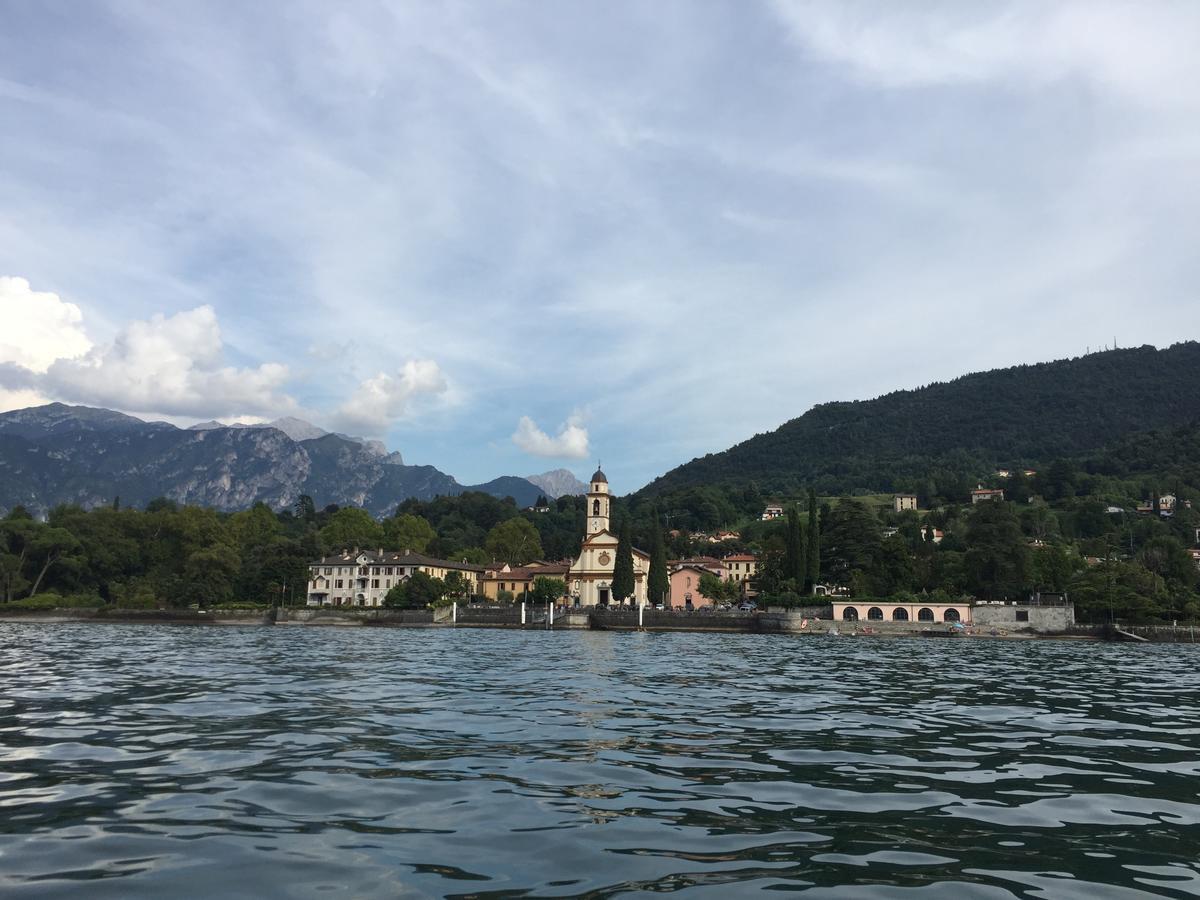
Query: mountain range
(1028, 414)
(75, 454)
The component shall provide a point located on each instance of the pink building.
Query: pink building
(876, 611)
(685, 586)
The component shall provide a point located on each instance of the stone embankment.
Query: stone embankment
(807, 620)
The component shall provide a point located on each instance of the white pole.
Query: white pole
(641, 608)
(454, 613)
(551, 605)
(522, 612)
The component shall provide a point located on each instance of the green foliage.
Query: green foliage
(51, 600)
(514, 541)
(717, 589)
(547, 590)
(623, 580)
(812, 545)
(418, 591)
(997, 563)
(406, 531)
(457, 587)
(939, 439)
(658, 578)
(794, 562)
(350, 528)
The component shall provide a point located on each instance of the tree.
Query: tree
(254, 527)
(547, 590)
(417, 591)
(853, 542)
(457, 586)
(793, 555)
(658, 580)
(716, 588)
(1051, 569)
(812, 546)
(622, 580)
(514, 541)
(16, 533)
(208, 577)
(47, 547)
(997, 558)
(405, 531)
(351, 527)
(305, 510)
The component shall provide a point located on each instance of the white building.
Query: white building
(363, 577)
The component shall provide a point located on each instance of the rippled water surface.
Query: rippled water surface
(317, 762)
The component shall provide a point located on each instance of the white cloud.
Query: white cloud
(571, 442)
(383, 398)
(166, 365)
(39, 327)
(170, 365)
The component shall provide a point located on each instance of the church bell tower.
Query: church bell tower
(598, 500)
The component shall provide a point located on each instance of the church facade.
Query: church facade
(589, 581)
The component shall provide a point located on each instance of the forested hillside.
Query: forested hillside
(1025, 415)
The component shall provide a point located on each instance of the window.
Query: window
(328, 571)
(338, 583)
(595, 507)
(850, 614)
(1022, 615)
(899, 614)
(374, 582)
(950, 615)
(875, 614)
(925, 614)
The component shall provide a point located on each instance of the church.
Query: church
(590, 579)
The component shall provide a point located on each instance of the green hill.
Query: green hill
(1024, 415)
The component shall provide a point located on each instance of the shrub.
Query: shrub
(51, 600)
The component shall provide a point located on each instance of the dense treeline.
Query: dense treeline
(1071, 526)
(945, 433)
(177, 555)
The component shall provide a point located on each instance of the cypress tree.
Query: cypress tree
(793, 559)
(658, 578)
(622, 581)
(812, 549)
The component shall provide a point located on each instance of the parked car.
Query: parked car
(749, 606)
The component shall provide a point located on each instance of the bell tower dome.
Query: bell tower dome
(598, 500)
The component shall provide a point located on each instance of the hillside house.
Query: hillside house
(773, 511)
(901, 502)
(982, 494)
(741, 567)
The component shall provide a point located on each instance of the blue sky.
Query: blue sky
(507, 237)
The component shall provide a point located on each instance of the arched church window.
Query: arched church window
(595, 507)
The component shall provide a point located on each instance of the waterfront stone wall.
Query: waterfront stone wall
(1024, 617)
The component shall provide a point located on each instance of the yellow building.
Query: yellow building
(517, 580)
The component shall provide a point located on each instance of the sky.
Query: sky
(507, 237)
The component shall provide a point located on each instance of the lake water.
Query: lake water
(323, 762)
